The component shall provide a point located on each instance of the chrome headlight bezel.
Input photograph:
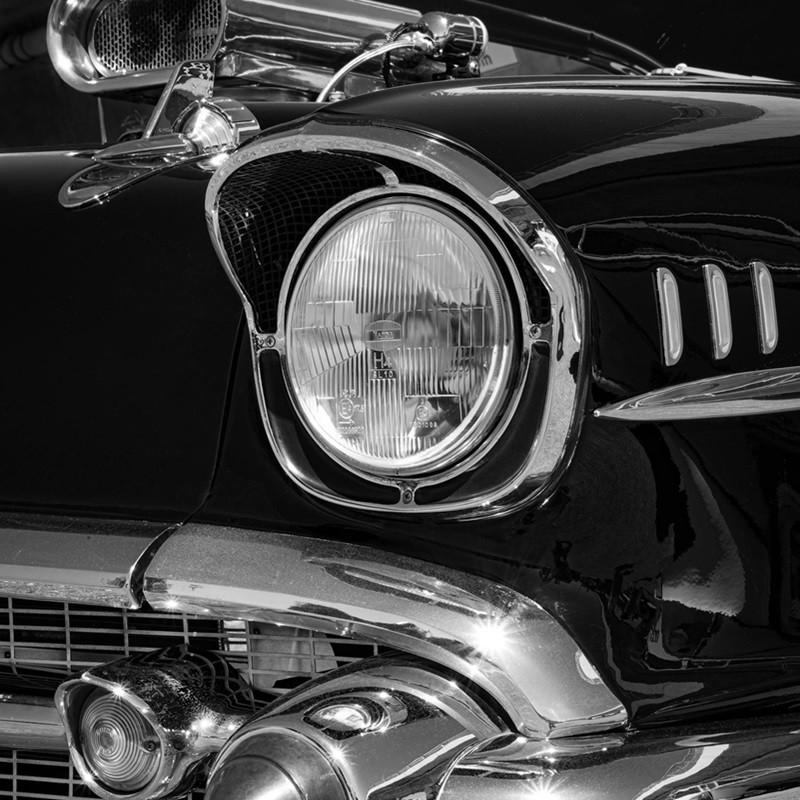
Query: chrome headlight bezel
(271, 185)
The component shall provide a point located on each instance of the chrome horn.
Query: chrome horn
(385, 729)
(145, 726)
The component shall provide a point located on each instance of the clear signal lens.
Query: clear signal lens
(119, 745)
(398, 338)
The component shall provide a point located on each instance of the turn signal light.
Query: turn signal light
(119, 745)
(145, 727)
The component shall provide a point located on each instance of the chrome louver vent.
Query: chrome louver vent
(137, 35)
(61, 638)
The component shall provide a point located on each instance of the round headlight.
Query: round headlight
(119, 745)
(398, 338)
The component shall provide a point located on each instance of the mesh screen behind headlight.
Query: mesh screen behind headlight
(398, 339)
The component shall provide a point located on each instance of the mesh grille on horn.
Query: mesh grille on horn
(140, 35)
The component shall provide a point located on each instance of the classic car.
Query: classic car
(404, 408)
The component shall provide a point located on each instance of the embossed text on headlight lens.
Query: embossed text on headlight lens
(399, 338)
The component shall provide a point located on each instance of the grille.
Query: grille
(139, 35)
(43, 776)
(60, 638)
(265, 209)
(41, 640)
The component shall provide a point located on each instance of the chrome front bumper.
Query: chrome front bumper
(551, 732)
(709, 762)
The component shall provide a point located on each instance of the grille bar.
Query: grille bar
(44, 776)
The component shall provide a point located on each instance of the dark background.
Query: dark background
(749, 38)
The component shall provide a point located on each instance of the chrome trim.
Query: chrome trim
(685, 70)
(386, 730)
(191, 82)
(81, 560)
(29, 722)
(766, 391)
(764, 293)
(526, 232)
(504, 642)
(719, 310)
(669, 306)
(98, 183)
(186, 127)
(729, 759)
(511, 377)
(194, 701)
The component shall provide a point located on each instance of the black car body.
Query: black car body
(430, 442)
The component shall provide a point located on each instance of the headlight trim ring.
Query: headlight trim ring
(498, 404)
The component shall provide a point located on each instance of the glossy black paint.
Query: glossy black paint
(119, 330)
(118, 334)
(670, 550)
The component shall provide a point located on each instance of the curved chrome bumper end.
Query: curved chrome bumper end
(388, 729)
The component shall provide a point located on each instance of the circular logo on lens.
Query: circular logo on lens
(382, 335)
(105, 739)
(346, 408)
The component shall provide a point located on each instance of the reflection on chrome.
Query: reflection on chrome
(516, 652)
(430, 723)
(760, 759)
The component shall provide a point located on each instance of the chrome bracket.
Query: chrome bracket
(188, 125)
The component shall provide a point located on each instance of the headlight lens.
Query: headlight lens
(398, 338)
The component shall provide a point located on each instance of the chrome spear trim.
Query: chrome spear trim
(766, 391)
